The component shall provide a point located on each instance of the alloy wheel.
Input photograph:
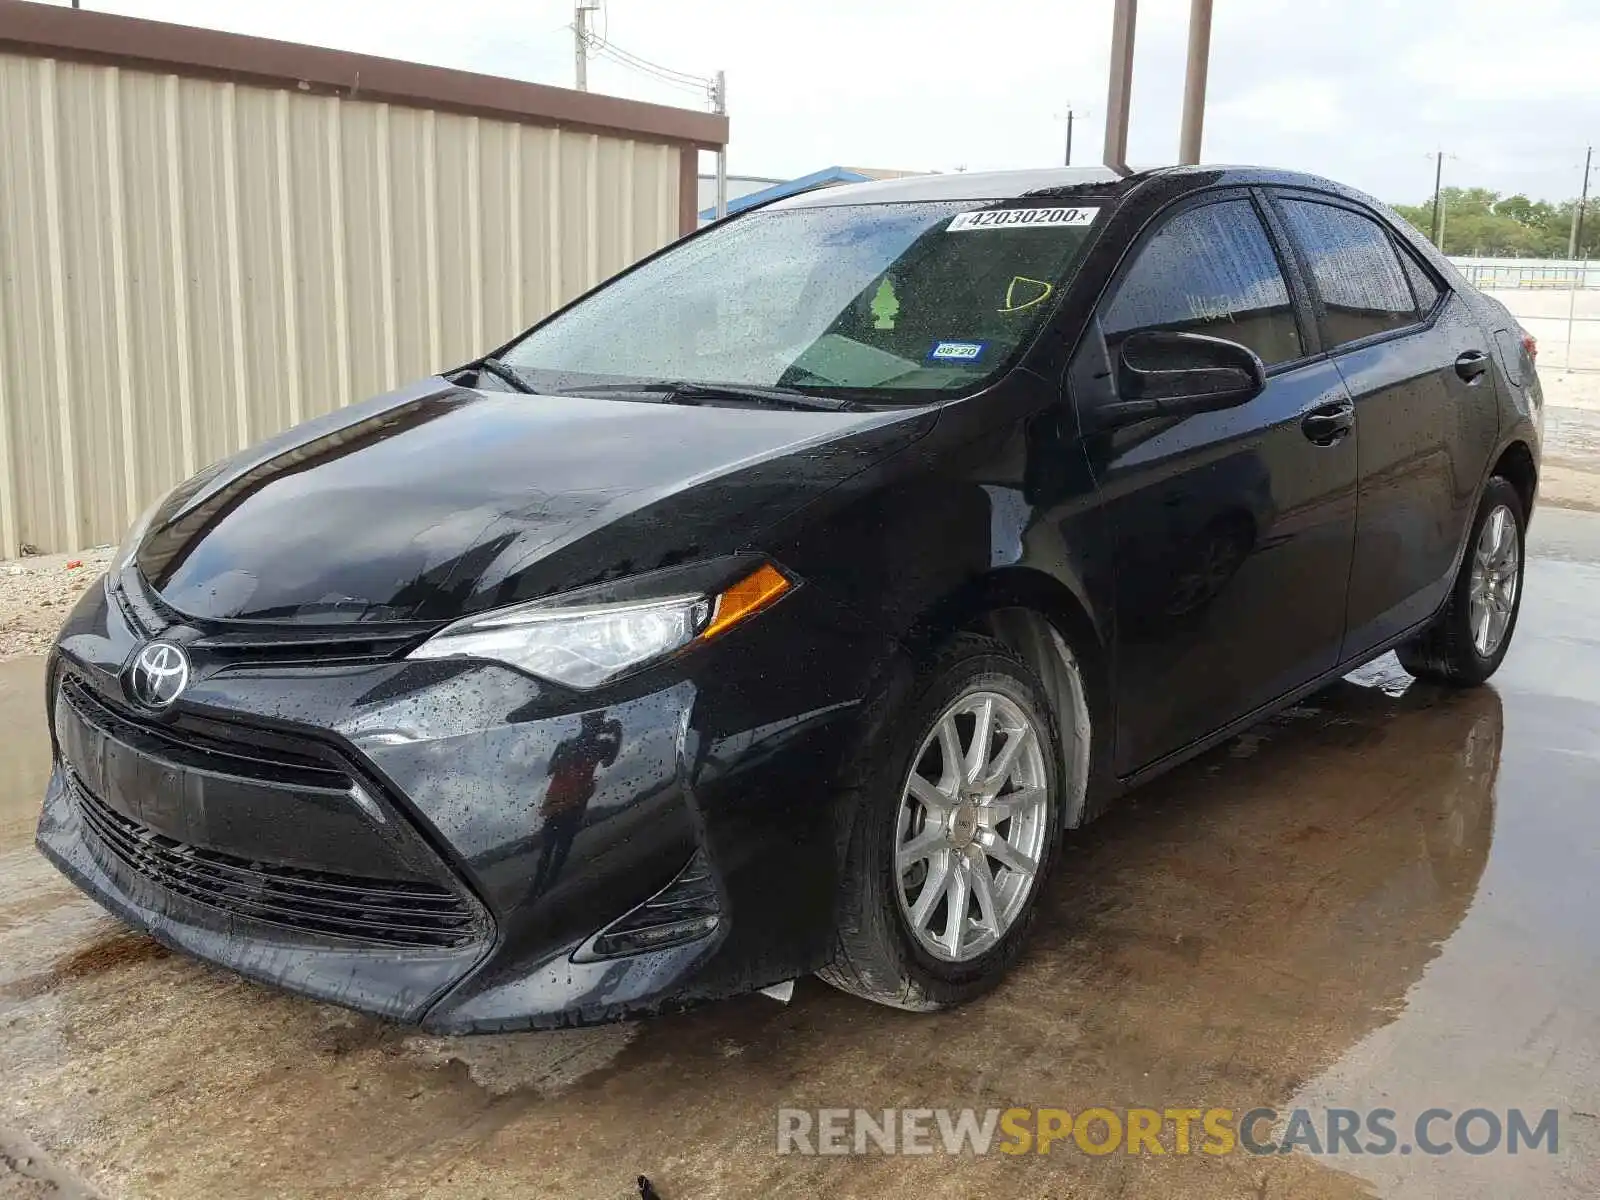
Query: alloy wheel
(1492, 592)
(971, 828)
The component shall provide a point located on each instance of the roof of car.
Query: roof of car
(1043, 182)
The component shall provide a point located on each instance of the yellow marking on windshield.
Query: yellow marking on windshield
(1011, 305)
(885, 305)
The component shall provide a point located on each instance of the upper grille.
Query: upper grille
(392, 912)
(269, 644)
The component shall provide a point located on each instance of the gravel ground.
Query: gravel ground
(37, 593)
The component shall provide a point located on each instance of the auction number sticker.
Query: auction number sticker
(1029, 218)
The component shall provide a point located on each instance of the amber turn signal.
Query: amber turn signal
(746, 598)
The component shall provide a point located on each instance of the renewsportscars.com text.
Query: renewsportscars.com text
(1155, 1131)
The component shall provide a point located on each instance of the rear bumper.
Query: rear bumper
(447, 773)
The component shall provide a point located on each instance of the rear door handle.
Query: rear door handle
(1328, 424)
(1471, 365)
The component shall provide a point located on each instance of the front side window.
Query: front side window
(888, 299)
(1364, 289)
(1209, 270)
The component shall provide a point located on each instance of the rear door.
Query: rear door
(1417, 364)
(1233, 529)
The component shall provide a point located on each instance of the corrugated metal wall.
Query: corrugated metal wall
(187, 266)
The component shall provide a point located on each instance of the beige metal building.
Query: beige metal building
(205, 238)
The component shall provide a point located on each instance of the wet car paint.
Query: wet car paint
(1372, 899)
(439, 501)
(899, 526)
(462, 751)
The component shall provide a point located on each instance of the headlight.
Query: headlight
(585, 645)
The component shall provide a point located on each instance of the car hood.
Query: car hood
(437, 500)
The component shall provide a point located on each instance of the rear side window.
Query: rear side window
(1209, 270)
(1356, 270)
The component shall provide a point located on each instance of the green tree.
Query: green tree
(1479, 221)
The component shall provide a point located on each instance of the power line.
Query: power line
(629, 59)
(702, 87)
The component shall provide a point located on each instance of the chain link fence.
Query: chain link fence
(1556, 300)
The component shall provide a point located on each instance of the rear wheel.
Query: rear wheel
(955, 830)
(1469, 639)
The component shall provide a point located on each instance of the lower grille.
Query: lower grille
(389, 912)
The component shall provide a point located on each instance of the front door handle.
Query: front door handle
(1328, 424)
(1471, 365)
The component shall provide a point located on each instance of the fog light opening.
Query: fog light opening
(686, 910)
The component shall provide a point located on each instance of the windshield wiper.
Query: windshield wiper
(504, 372)
(681, 391)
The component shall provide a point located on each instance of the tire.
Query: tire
(878, 955)
(1448, 651)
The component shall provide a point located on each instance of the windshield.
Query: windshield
(881, 298)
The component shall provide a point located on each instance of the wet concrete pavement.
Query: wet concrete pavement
(1377, 899)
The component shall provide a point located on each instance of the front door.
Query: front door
(1418, 366)
(1233, 529)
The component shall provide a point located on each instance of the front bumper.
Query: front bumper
(277, 818)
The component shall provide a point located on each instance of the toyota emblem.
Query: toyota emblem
(160, 674)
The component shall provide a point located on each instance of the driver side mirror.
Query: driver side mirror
(1162, 374)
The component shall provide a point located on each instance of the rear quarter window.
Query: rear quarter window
(1422, 285)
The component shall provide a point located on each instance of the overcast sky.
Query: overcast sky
(1360, 90)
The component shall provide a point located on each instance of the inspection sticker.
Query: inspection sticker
(1030, 218)
(958, 351)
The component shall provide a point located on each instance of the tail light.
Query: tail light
(1530, 346)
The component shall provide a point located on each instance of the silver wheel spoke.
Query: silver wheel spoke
(982, 735)
(983, 892)
(935, 801)
(924, 845)
(950, 751)
(932, 889)
(1007, 855)
(1016, 742)
(1012, 804)
(955, 924)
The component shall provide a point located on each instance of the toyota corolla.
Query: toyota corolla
(780, 605)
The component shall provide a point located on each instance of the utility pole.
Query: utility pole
(1194, 83)
(719, 101)
(580, 39)
(1069, 137)
(1576, 240)
(1438, 178)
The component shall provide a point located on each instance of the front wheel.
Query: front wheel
(1469, 639)
(955, 828)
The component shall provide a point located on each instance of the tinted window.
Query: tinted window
(1210, 270)
(1355, 268)
(1422, 287)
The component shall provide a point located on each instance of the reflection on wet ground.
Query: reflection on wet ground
(1383, 897)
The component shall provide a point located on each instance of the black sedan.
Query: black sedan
(778, 606)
